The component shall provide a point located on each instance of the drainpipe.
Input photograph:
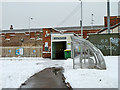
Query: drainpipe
(110, 47)
(81, 21)
(108, 16)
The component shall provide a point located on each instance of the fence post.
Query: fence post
(110, 47)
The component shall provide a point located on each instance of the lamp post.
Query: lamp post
(81, 57)
(108, 15)
(92, 21)
(30, 18)
(81, 21)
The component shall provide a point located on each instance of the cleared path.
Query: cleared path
(48, 78)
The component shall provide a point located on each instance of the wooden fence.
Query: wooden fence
(21, 51)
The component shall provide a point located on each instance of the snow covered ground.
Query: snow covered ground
(17, 70)
(92, 78)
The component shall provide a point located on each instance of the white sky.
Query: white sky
(52, 13)
(57, 0)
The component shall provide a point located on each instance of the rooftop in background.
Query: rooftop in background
(76, 28)
(21, 30)
(110, 28)
(79, 28)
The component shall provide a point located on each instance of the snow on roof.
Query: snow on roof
(71, 28)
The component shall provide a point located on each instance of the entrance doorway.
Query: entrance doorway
(58, 50)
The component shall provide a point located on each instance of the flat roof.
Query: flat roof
(21, 30)
(76, 28)
(62, 33)
(71, 28)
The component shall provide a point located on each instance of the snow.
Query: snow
(92, 78)
(16, 71)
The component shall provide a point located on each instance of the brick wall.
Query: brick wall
(113, 20)
(22, 39)
(33, 39)
(85, 32)
(47, 54)
(46, 38)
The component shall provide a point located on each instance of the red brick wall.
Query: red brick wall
(15, 39)
(32, 34)
(7, 36)
(85, 32)
(113, 20)
(46, 39)
(46, 55)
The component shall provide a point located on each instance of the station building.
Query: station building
(56, 40)
(52, 41)
(48, 42)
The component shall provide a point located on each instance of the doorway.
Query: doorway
(58, 50)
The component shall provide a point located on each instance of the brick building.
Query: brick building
(60, 38)
(51, 38)
(113, 20)
(39, 37)
(21, 37)
(21, 42)
(48, 35)
(114, 25)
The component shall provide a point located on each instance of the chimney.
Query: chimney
(11, 27)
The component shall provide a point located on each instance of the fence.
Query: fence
(21, 51)
(109, 44)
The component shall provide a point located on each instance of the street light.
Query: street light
(81, 20)
(30, 18)
(92, 20)
(108, 16)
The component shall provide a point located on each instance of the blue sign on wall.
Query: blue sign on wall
(19, 51)
(9, 51)
(34, 51)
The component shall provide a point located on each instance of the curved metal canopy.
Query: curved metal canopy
(86, 55)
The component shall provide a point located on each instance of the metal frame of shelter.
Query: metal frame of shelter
(86, 55)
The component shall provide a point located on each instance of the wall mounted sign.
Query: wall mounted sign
(19, 51)
(9, 51)
(68, 45)
(34, 51)
(57, 38)
(46, 46)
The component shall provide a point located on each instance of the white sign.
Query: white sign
(46, 44)
(21, 51)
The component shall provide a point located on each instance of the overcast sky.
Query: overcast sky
(53, 14)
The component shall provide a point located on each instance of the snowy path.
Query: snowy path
(17, 70)
(47, 78)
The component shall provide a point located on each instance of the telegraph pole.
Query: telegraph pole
(81, 21)
(81, 56)
(108, 16)
(29, 22)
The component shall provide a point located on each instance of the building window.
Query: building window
(7, 36)
(12, 34)
(46, 46)
(27, 33)
(32, 35)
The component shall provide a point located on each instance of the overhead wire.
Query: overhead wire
(72, 13)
